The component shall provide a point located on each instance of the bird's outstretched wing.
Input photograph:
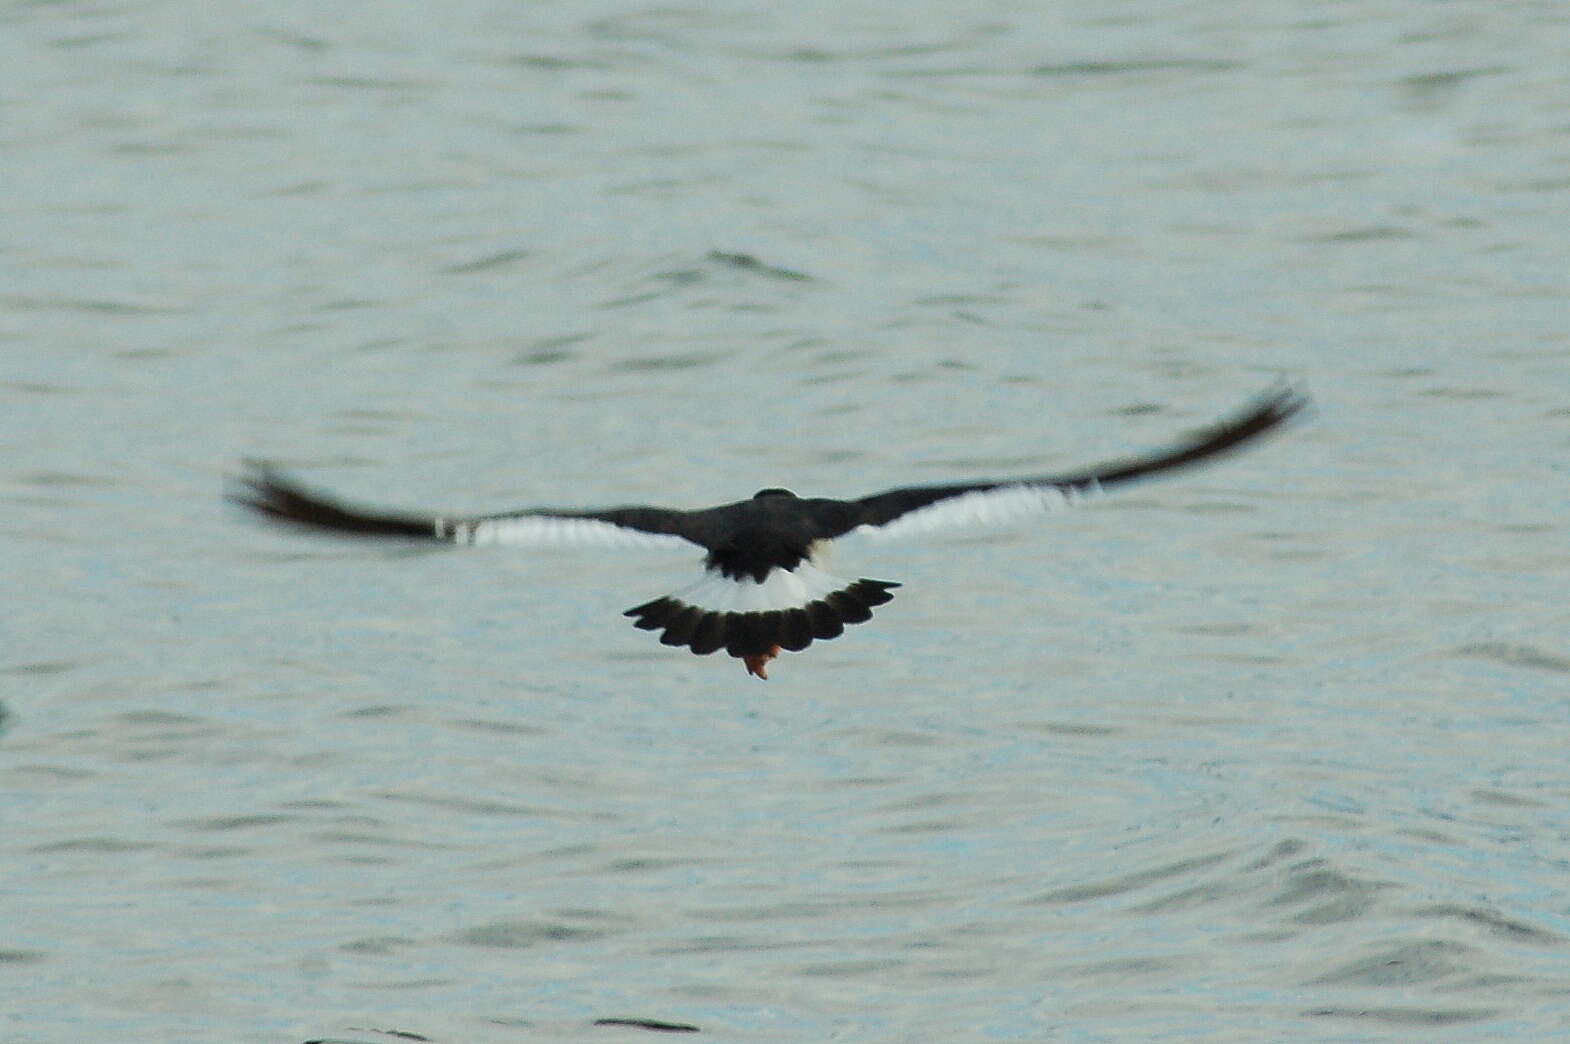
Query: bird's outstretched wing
(900, 512)
(269, 493)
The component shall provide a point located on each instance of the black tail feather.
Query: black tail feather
(758, 633)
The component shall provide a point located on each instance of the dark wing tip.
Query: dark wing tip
(1269, 412)
(1276, 406)
(266, 491)
(1273, 409)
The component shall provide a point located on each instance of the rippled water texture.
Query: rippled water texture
(1274, 751)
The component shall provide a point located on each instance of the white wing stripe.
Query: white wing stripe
(550, 530)
(992, 507)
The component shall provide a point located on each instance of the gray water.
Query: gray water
(1274, 751)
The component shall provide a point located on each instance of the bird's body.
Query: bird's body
(765, 587)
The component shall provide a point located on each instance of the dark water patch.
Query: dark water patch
(1127, 882)
(671, 361)
(922, 802)
(634, 865)
(848, 968)
(37, 388)
(394, 1034)
(1308, 891)
(409, 985)
(379, 946)
(399, 1034)
(243, 822)
(553, 62)
(1431, 91)
(1122, 971)
(857, 782)
(1070, 728)
(1188, 898)
(924, 374)
(1138, 409)
(960, 303)
(157, 717)
(20, 956)
(818, 909)
(1217, 630)
(1548, 184)
(63, 479)
(1409, 964)
(748, 263)
(355, 837)
(1515, 655)
(95, 845)
(373, 83)
(928, 806)
(314, 805)
(1428, 81)
(962, 40)
(1493, 923)
(1405, 372)
(89, 305)
(1287, 849)
(470, 806)
(832, 357)
(380, 710)
(1328, 895)
(732, 944)
(1409, 1016)
(217, 852)
(649, 1024)
(521, 935)
(926, 826)
(1499, 797)
(504, 728)
(510, 1022)
(1088, 69)
(1468, 393)
(701, 284)
(290, 38)
(356, 304)
(72, 41)
(500, 259)
(549, 350)
(1431, 837)
(1364, 234)
(889, 737)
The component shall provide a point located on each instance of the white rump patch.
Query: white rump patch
(992, 507)
(781, 589)
(550, 531)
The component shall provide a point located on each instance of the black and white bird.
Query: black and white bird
(765, 586)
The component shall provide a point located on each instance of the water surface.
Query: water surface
(1273, 751)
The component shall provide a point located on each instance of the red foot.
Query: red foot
(756, 664)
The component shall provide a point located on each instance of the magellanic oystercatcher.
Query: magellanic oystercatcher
(764, 586)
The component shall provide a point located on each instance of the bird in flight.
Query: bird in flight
(765, 586)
